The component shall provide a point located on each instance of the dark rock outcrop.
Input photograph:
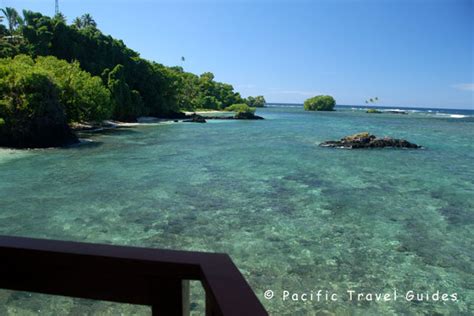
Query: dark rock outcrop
(41, 132)
(247, 116)
(366, 140)
(373, 111)
(195, 119)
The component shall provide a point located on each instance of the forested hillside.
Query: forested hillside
(138, 86)
(93, 75)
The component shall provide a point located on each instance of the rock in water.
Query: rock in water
(247, 116)
(366, 140)
(195, 119)
(374, 111)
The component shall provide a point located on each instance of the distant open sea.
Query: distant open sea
(293, 216)
(458, 113)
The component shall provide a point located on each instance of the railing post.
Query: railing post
(171, 297)
(133, 275)
(186, 293)
(210, 306)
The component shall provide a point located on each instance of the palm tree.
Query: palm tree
(77, 23)
(87, 20)
(84, 21)
(60, 17)
(13, 18)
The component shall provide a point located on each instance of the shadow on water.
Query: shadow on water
(84, 144)
(122, 130)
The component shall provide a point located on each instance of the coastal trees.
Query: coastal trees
(127, 103)
(137, 87)
(13, 19)
(240, 108)
(151, 85)
(31, 114)
(84, 21)
(216, 95)
(82, 96)
(203, 92)
(258, 101)
(60, 17)
(187, 91)
(320, 103)
(243, 111)
(371, 100)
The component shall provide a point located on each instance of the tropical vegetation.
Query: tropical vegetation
(32, 108)
(372, 100)
(258, 101)
(240, 108)
(320, 103)
(373, 111)
(93, 76)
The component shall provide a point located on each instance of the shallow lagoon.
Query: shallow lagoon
(293, 216)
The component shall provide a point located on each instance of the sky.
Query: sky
(416, 53)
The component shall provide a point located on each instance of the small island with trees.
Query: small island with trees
(320, 103)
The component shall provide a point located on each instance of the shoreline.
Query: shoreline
(205, 112)
(109, 124)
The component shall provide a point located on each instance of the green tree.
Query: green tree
(209, 102)
(320, 103)
(30, 110)
(158, 90)
(128, 104)
(258, 101)
(240, 108)
(372, 100)
(84, 21)
(60, 17)
(13, 19)
(85, 97)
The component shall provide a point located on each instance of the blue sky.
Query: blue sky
(407, 53)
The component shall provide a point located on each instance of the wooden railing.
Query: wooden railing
(145, 276)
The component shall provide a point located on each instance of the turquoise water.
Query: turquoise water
(292, 215)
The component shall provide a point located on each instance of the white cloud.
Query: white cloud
(464, 86)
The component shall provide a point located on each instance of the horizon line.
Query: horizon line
(379, 106)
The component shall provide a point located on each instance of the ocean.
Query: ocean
(296, 218)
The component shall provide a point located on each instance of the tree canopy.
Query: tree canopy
(258, 101)
(320, 103)
(240, 108)
(31, 112)
(137, 86)
(82, 96)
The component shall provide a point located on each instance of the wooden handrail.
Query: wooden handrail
(134, 275)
